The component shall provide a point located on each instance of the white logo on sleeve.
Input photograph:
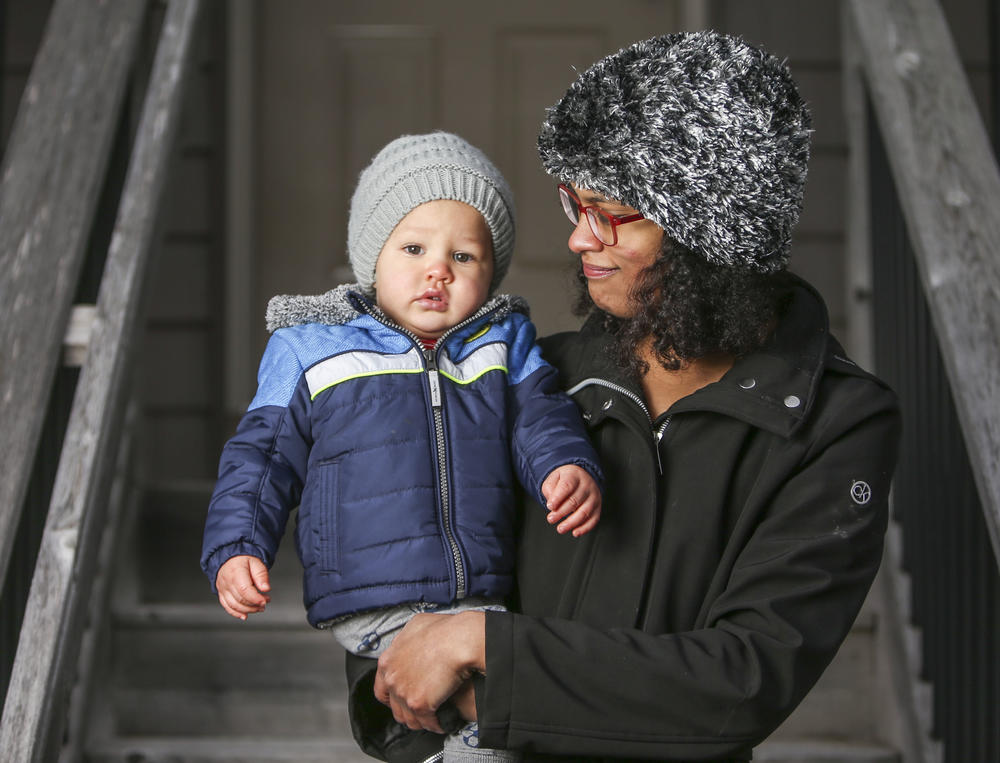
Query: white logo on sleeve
(861, 492)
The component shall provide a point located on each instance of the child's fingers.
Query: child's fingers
(228, 606)
(565, 482)
(574, 520)
(567, 509)
(246, 593)
(232, 606)
(238, 582)
(237, 605)
(259, 575)
(589, 524)
(584, 518)
(555, 489)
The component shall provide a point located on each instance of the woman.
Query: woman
(748, 461)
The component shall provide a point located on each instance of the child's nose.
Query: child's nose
(438, 269)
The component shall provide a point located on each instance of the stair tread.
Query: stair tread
(208, 614)
(152, 749)
(203, 713)
(813, 750)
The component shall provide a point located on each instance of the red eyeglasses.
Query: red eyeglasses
(603, 225)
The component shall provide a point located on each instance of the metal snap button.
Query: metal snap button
(607, 404)
(792, 401)
(587, 415)
(748, 383)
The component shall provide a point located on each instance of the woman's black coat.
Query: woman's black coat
(740, 534)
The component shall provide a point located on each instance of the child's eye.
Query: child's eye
(463, 257)
(413, 249)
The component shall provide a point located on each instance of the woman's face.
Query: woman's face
(611, 270)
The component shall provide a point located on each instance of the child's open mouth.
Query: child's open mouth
(432, 300)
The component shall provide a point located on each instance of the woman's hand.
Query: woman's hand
(427, 663)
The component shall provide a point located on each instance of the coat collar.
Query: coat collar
(347, 302)
(774, 388)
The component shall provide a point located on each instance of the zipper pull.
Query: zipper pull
(657, 438)
(432, 378)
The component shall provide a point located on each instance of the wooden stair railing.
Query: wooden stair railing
(51, 178)
(949, 188)
(911, 107)
(50, 182)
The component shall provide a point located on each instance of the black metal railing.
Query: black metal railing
(946, 544)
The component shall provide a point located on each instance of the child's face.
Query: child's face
(435, 268)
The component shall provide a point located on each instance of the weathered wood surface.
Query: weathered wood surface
(949, 189)
(51, 178)
(46, 654)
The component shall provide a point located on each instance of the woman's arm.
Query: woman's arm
(714, 688)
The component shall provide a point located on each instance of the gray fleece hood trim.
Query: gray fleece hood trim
(346, 302)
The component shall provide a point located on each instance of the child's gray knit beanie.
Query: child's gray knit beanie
(415, 169)
(701, 133)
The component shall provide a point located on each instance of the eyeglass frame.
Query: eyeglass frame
(585, 211)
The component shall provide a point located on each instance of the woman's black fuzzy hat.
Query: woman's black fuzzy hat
(700, 132)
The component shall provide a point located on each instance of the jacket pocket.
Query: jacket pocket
(328, 502)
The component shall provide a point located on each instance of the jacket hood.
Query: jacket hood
(347, 302)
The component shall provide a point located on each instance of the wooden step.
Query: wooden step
(821, 751)
(192, 671)
(842, 703)
(189, 683)
(226, 654)
(168, 535)
(204, 713)
(225, 750)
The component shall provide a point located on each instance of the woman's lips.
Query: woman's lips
(595, 271)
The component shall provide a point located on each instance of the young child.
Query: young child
(395, 412)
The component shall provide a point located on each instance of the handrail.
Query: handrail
(949, 189)
(59, 592)
(49, 187)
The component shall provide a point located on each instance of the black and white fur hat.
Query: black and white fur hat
(700, 132)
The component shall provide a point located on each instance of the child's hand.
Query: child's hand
(243, 585)
(573, 499)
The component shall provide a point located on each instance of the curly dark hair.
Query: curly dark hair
(692, 308)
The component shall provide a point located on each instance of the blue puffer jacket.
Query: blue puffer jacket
(400, 459)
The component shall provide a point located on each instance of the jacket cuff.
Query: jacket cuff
(493, 692)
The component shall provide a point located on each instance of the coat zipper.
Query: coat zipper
(442, 460)
(657, 432)
(434, 387)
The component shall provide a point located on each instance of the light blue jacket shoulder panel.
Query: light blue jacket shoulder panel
(294, 350)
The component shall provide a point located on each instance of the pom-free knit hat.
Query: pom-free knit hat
(415, 169)
(701, 133)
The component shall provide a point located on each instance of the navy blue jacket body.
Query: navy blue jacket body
(401, 460)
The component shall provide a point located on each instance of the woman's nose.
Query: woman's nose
(582, 239)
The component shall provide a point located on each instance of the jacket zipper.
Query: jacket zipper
(657, 432)
(442, 460)
(434, 387)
